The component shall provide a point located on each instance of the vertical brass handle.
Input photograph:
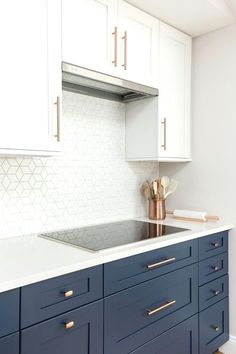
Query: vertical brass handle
(162, 307)
(69, 325)
(125, 50)
(115, 33)
(164, 127)
(58, 104)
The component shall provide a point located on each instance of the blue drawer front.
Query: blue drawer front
(212, 245)
(130, 271)
(182, 339)
(51, 337)
(213, 292)
(213, 268)
(10, 344)
(9, 312)
(46, 299)
(214, 326)
(126, 320)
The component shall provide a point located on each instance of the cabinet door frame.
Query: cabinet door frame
(128, 12)
(166, 150)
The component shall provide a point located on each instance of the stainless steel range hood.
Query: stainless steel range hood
(93, 83)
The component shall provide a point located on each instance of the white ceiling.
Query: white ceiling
(194, 17)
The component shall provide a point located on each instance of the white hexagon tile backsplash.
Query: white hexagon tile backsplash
(89, 182)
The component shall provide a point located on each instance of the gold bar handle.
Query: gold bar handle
(125, 50)
(115, 34)
(164, 127)
(68, 293)
(161, 263)
(69, 325)
(162, 307)
(58, 104)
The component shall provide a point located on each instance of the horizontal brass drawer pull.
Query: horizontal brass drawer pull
(162, 307)
(161, 263)
(69, 325)
(215, 244)
(68, 293)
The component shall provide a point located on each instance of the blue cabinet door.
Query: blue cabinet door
(9, 312)
(182, 339)
(139, 314)
(124, 273)
(76, 332)
(10, 344)
(214, 326)
(49, 298)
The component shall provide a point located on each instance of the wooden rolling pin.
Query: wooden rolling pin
(191, 215)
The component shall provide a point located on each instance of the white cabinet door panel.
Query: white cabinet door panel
(87, 33)
(142, 54)
(174, 95)
(24, 89)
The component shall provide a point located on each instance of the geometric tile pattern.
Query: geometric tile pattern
(89, 182)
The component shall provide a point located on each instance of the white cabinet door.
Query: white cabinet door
(139, 45)
(25, 119)
(174, 93)
(88, 33)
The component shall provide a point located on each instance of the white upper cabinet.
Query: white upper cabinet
(111, 37)
(139, 45)
(28, 116)
(159, 128)
(89, 32)
(174, 93)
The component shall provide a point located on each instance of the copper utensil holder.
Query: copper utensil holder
(157, 209)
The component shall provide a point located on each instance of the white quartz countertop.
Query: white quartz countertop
(28, 259)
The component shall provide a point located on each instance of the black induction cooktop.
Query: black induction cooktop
(101, 237)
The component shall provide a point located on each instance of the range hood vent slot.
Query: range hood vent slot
(92, 83)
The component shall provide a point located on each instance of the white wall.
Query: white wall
(89, 182)
(209, 182)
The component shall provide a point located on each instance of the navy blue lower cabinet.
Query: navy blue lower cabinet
(52, 297)
(9, 312)
(76, 332)
(213, 268)
(10, 344)
(214, 326)
(141, 313)
(130, 271)
(182, 339)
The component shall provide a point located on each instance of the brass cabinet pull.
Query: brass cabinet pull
(216, 292)
(69, 325)
(57, 103)
(216, 268)
(115, 33)
(164, 127)
(216, 328)
(215, 244)
(68, 293)
(125, 50)
(161, 263)
(162, 307)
